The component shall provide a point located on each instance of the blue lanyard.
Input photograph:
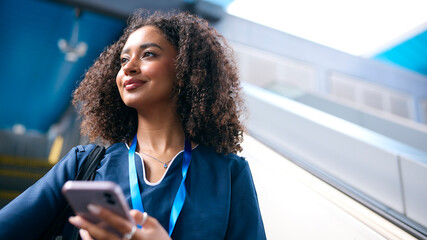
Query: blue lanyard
(180, 195)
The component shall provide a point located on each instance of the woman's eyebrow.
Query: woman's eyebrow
(143, 46)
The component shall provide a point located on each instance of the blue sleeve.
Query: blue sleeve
(245, 221)
(30, 214)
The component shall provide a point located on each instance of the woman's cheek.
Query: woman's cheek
(148, 70)
(119, 80)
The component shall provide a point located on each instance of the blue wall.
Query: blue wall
(36, 82)
(411, 54)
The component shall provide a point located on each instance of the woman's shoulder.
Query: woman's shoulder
(88, 148)
(84, 148)
(211, 153)
(80, 152)
(233, 161)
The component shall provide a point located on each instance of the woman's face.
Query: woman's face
(147, 72)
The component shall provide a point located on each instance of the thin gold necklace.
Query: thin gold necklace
(165, 164)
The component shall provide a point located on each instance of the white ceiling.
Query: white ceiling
(359, 27)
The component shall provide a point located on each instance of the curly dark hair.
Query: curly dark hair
(209, 103)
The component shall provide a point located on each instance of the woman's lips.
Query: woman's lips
(133, 84)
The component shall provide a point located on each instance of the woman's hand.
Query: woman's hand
(151, 228)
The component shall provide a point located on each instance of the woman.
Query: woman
(166, 97)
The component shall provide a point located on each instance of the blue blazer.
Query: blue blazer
(221, 201)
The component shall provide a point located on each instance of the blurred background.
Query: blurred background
(335, 89)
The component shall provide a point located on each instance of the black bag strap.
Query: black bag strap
(86, 172)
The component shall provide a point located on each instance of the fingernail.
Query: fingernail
(84, 234)
(94, 209)
(75, 221)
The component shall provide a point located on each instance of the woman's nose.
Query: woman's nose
(131, 67)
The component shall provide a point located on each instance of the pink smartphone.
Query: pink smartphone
(106, 194)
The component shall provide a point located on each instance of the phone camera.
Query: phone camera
(109, 198)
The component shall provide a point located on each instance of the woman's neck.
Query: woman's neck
(160, 136)
(160, 132)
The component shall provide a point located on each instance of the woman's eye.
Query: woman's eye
(123, 60)
(148, 54)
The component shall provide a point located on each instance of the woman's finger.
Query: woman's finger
(94, 230)
(139, 217)
(142, 218)
(117, 222)
(151, 228)
(85, 234)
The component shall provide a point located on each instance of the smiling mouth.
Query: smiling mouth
(133, 84)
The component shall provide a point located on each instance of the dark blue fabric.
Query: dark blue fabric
(221, 200)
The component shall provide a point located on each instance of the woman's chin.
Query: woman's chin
(132, 103)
